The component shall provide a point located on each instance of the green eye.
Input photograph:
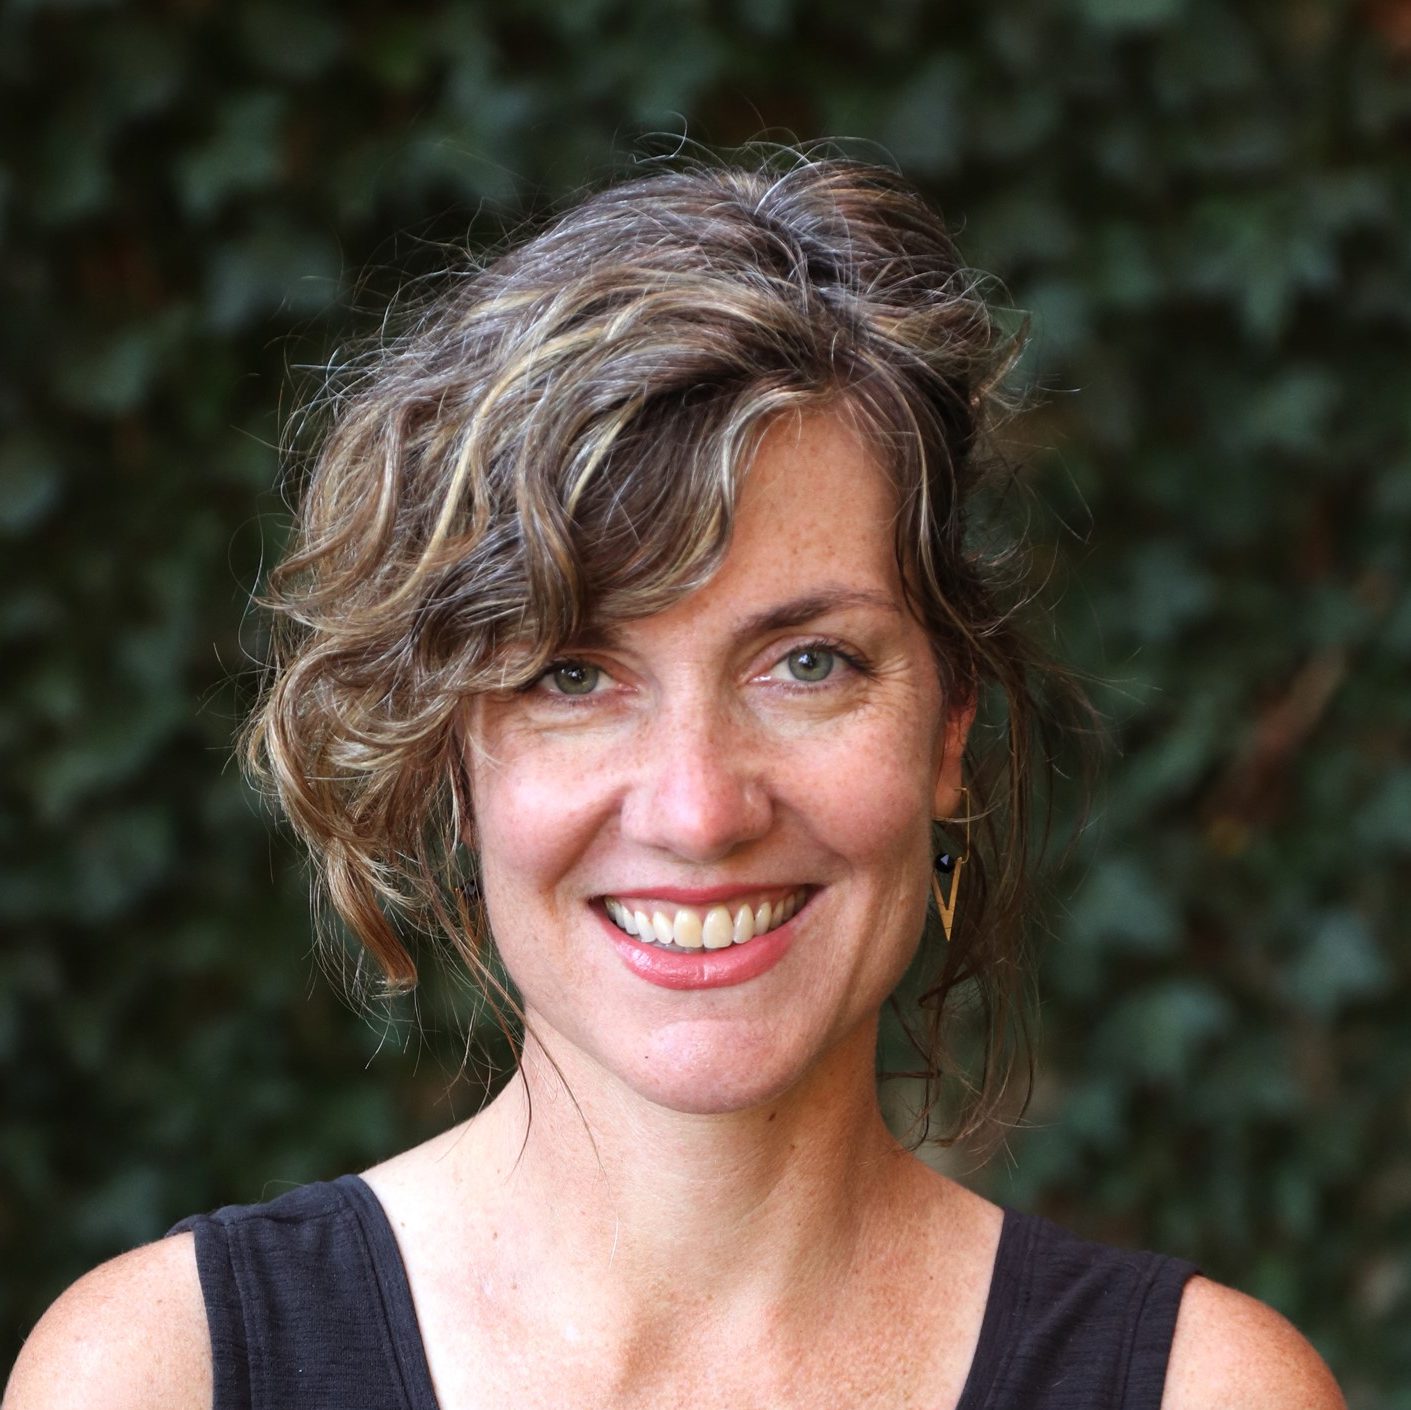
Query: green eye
(812, 663)
(575, 677)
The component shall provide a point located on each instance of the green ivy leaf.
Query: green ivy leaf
(30, 481)
(1122, 907)
(277, 268)
(1160, 1033)
(110, 374)
(924, 125)
(1340, 963)
(244, 154)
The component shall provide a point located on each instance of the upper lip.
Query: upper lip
(702, 895)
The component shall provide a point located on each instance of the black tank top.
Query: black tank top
(309, 1309)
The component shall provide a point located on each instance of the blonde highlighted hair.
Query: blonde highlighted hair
(557, 440)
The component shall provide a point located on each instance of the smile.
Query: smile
(675, 927)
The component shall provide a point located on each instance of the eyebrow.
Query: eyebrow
(799, 611)
(796, 612)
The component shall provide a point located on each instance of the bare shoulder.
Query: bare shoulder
(1232, 1352)
(132, 1333)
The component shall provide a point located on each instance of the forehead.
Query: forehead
(814, 524)
(816, 501)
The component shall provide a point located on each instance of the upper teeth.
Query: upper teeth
(694, 927)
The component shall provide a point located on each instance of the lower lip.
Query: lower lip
(702, 969)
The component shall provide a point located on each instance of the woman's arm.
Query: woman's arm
(131, 1335)
(1231, 1352)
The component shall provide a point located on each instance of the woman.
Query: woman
(631, 622)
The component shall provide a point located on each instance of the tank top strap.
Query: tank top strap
(1073, 1325)
(308, 1304)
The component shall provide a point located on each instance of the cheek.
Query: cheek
(533, 820)
(526, 836)
(870, 792)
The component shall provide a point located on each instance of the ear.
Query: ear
(949, 783)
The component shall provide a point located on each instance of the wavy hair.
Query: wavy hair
(557, 439)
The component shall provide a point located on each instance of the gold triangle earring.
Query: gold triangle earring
(947, 865)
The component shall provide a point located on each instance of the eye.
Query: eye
(816, 663)
(810, 663)
(571, 678)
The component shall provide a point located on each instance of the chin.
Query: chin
(712, 1073)
(693, 1097)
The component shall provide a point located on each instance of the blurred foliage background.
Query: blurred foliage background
(1207, 208)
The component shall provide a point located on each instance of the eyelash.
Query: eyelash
(850, 658)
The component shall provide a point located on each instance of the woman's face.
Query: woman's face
(746, 780)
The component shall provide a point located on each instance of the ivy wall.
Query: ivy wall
(1207, 209)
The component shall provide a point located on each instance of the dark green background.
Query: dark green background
(1207, 209)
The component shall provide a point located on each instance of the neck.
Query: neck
(617, 1204)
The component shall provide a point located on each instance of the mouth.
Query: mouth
(709, 939)
(682, 929)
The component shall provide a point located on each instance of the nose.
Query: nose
(698, 790)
